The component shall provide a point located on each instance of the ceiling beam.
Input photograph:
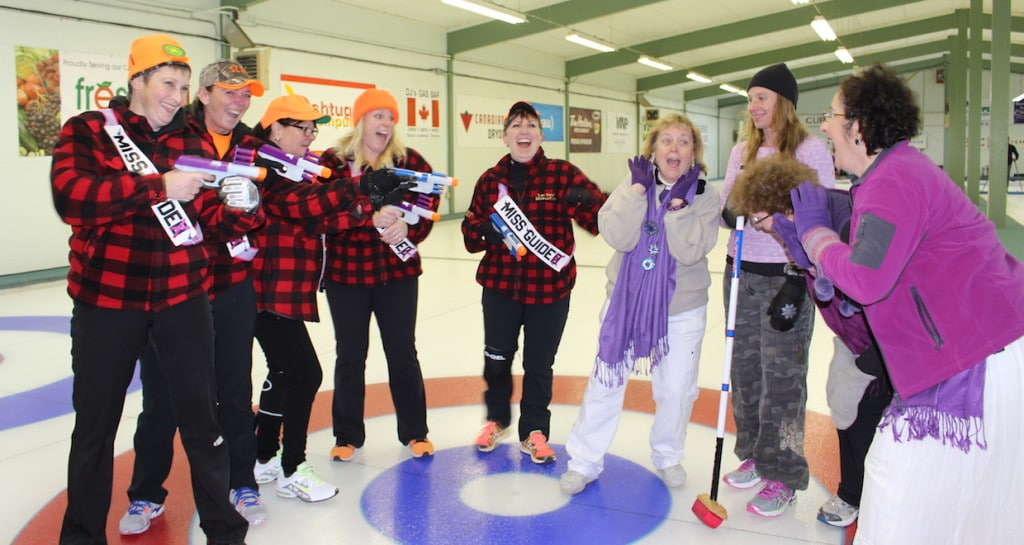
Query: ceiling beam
(558, 15)
(914, 66)
(240, 4)
(719, 35)
(809, 49)
(888, 57)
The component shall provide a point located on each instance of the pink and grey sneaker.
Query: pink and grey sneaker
(772, 500)
(744, 476)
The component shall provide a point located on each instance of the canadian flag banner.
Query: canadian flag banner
(423, 112)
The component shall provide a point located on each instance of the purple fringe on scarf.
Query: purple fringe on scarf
(950, 412)
(634, 332)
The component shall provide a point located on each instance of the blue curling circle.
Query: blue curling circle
(49, 400)
(417, 502)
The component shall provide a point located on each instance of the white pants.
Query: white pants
(929, 493)
(674, 385)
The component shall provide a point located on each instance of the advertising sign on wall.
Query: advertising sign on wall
(584, 130)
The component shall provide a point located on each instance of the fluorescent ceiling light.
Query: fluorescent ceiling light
(731, 89)
(824, 30)
(799, 2)
(697, 76)
(587, 42)
(1019, 98)
(654, 63)
(493, 12)
(844, 55)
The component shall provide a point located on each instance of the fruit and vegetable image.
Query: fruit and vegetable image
(38, 78)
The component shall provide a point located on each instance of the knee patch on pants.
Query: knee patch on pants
(497, 361)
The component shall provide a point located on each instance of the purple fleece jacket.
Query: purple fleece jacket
(939, 290)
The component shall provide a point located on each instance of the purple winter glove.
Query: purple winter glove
(787, 231)
(642, 171)
(823, 288)
(686, 187)
(810, 207)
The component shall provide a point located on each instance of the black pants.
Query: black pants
(234, 316)
(295, 375)
(394, 306)
(105, 344)
(542, 327)
(855, 441)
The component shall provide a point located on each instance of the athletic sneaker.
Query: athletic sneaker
(674, 476)
(744, 477)
(248, 504)
(267, 472)
(136, 520)
(772, 500)
(421, 448)
(573, 482)
(490, 435)
(536, 445)
(836, 512)
(305, 484)
(343, 453)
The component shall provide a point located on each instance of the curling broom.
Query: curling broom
(706, 507)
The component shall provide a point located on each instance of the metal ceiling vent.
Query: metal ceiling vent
(256, 62)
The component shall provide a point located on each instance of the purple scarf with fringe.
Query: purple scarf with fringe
(950, 411)
(634, 333)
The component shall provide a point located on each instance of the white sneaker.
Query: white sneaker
(573, 482)
(836, 512)
(248, 504)
(305, 484)
(674, 476)
(136, 520)
(267, 473)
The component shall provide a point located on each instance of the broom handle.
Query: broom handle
(730, 333)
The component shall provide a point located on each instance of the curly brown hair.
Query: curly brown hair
(886, 108)
(764, 186)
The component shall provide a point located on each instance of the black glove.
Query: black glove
(578, 196)
(380, 185)
(489, 234)
(729, 217)
(785, 307)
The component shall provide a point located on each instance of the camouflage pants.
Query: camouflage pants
(769, 381)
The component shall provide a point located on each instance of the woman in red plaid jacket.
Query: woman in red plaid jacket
(139, 273)
(375, 270)
(287, 272)
(527, 272)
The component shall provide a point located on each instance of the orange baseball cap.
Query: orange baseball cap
(229, 75)
(295, 107)
(373, 99)
(154, 50)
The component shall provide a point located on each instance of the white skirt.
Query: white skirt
(924, 492)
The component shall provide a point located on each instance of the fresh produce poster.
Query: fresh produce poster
(55, 85)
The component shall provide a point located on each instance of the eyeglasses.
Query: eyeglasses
(827, 116)
(308, 131)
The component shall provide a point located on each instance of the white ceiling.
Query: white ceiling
(632, 27)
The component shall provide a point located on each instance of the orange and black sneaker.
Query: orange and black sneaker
(421, 448)
(536, 445)
(490, 435)
(343, 453)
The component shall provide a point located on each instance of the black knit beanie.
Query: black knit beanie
(778, 78)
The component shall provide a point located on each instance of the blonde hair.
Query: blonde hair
(350, 148)
(675, 120)
(789, 131)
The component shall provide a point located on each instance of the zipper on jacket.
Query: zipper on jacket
(926, 319)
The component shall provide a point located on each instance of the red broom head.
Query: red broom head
(709, 511)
